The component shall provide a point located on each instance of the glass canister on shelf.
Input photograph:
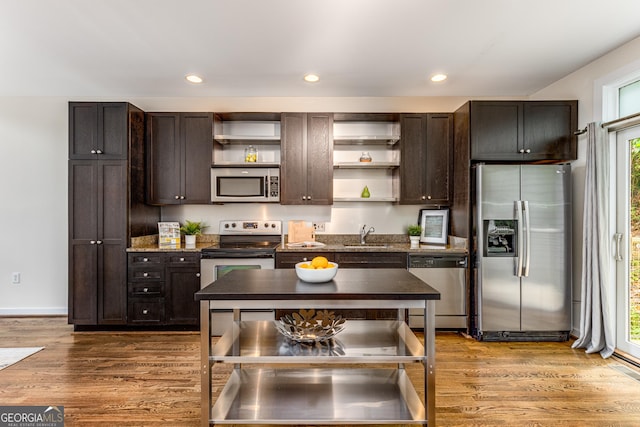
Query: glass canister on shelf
(365, 157)
(250, 154)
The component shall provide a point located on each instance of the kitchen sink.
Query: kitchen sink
(366, 245)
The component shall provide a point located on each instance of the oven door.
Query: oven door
(212, 268)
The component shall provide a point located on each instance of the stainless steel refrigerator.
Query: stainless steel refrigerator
(523, 252)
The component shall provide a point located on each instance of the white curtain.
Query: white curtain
(597, 311)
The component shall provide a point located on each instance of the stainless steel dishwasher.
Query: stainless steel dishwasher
(447, 274)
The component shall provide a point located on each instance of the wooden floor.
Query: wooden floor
(140, 379)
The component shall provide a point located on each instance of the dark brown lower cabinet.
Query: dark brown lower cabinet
(161, 287)
(349, 260)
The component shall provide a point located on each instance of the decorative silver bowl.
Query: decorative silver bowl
(308, 326)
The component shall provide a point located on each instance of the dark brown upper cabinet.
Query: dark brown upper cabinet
(179, 153)
(523, 131)
(306, 171)
(426, 149)
(98, 130)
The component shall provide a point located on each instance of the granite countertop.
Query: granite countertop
(150, 244)
(390, 247)
(375, 243)
(332, 243)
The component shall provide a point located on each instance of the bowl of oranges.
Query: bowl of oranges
(318, 270)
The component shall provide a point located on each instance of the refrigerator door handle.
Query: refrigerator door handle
(527, 239)
(520, 239)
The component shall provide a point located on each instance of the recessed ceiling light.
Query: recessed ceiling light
(311, 78)
(438, 77)
(192, 78)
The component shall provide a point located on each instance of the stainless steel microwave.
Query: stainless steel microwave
(238, 184)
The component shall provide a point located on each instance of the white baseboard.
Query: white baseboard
(39, 311)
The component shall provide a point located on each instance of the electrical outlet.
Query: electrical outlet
(15, 278)
(318, 226)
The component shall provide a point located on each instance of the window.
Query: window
(629, 99)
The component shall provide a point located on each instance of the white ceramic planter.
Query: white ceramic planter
(190, 241)
(415, 241)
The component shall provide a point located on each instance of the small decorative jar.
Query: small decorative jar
(365, 157)
(250, 154)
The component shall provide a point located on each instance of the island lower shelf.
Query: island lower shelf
(318, 396)
(361, 341)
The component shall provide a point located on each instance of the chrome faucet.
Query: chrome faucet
(364, 233)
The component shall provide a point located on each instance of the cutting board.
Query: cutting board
(301, 231)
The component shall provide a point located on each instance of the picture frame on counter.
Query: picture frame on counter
(169, 235)
(435, 226)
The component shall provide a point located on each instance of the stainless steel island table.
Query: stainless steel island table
(358, 377)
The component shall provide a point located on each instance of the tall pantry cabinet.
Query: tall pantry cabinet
(106, 207)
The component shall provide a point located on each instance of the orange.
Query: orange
(320, 262)
(305, 266)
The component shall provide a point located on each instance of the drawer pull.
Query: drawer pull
(145, 290)
(145, 259)
(145, 274)
(181, 259)
(145, 311)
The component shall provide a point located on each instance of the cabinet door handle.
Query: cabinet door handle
(145, 290)
(145, 274)
(197, 274)
(521, 150)
(93, 242)
(145, 259)
(181, 259)
(429, 197)
(424, 197)
(304, 197)
(145, 311)
(177, 197)
(93, 151)
(181, 197)
(308, 197)
(528, 150)
(98, 151)
(99, 242)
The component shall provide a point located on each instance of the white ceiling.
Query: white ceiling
(144, 48)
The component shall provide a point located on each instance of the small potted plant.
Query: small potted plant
(191, 229)
(414, 231)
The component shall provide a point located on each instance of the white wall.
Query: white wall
(33, 177)
(585, 85)
(33, 183)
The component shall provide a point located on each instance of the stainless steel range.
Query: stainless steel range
(243, 244)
